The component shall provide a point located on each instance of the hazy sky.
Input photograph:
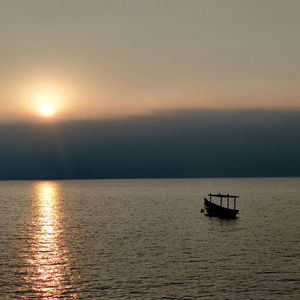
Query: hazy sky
(102, 58)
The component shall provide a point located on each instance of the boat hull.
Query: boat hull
(214, 210)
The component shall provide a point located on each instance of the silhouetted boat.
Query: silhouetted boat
(214, 210)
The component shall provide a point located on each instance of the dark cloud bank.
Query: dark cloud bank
(180, 144)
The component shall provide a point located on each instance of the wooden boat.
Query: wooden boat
(214, 210)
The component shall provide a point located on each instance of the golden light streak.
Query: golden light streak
(49, 275)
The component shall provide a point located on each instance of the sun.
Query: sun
(47, 102)
(47, 109)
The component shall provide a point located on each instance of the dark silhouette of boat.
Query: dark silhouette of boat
(214, 210)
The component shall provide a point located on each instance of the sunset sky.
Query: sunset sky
(143, 89)
(98, 59)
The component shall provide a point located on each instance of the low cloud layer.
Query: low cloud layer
(178, 144)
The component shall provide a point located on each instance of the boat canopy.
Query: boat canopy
(223, 196)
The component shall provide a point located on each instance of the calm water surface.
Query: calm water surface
(146, 239)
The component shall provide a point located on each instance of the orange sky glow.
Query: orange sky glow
(112, 62)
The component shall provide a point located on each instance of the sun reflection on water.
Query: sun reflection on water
(50, 275)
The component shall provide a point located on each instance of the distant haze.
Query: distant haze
(132, 57)
(175, 144)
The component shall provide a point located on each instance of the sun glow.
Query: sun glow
(47, 109)
(47, 102)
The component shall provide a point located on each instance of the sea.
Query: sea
(147, 239)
